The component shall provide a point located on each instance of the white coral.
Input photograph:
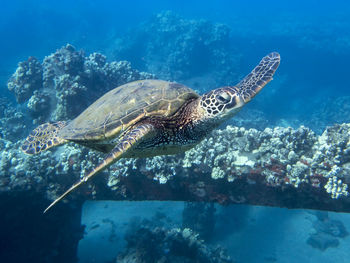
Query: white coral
(336, 187)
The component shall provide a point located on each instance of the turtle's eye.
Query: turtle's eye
(223, 97)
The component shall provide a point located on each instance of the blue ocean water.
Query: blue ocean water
(311, 36)
(310, 88)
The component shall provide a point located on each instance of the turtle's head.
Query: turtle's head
(222, 103)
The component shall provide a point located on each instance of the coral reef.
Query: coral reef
(155, 244)
(46, 173)
(13, 121)
(176, 48)
(227, 167)
(27, 78)
(235, 152)
(67, 82)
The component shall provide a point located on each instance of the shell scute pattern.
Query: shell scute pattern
(122, 107)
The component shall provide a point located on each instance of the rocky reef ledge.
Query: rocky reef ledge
(279, 167)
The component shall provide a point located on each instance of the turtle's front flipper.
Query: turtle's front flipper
(126, 143)
(43, 137)
(259, 77)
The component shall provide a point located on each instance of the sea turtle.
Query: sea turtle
(150, 117)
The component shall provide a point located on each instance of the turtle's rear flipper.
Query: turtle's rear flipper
(129, 140)
(43, 137)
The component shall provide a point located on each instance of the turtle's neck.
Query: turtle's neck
(185, 127)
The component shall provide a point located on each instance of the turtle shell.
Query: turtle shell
(125, 105)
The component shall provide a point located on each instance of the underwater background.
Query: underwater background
(57, 57)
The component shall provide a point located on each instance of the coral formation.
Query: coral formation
(27, 78)
(236, 152)
(279, 158)
(176, 48)
(67, 82)
(155, 244)
(336, 187)
(13, 121)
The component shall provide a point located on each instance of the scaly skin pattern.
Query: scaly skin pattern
(43, 138)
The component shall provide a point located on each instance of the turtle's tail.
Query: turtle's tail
(43, 137)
